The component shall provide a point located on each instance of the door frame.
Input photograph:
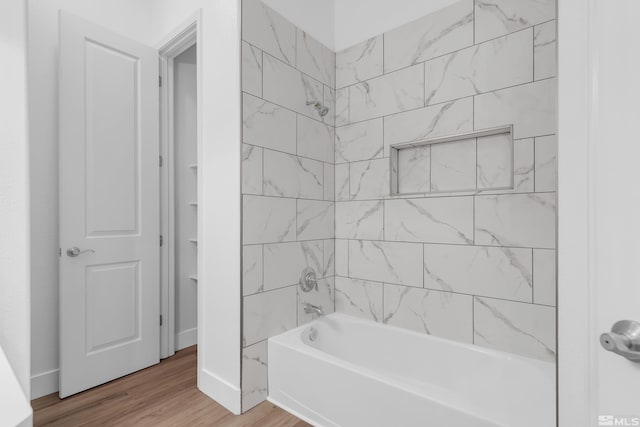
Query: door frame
(178, 41)
(577, 90)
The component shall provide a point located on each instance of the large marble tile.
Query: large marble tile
(315, 220)
(268, 30)
(495, 162)
(268, 125)
(544, 50)
(251, 169)
(322, 296)
(369, 179)
(286, 175)
(359, 298)
(315, 139)
(544, 276)
(449, 118)
(342, 257)
(286, 86)
(496, 18)
(436, 34)
(531, 108)
(360, 62)
(329, 181)
(329, 264)
(388, 94)
(414, 170)
(268, 313)
(342, 107)
(546, 163)
(480, 270)
(359, 220)
(389, 262)
(359, 141)
(254, 375)
(342, 182)
(283, 262)
(515, 327)
(252, 267)
(453, 166)
(519, 220)
(430, 220)
(442, 314)
(499, 63)
(268, 219)
(251, 69)
(316, 59)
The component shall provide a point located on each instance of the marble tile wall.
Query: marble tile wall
(287, 183)
(472, 256)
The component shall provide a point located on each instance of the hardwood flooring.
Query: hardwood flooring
(159, 396)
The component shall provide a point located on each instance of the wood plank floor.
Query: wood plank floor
(162, 395)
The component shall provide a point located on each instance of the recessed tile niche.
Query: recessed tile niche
(474, 161)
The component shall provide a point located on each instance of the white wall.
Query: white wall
(149, 21)
(14, 203)
(343, 23)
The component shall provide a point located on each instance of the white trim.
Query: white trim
(179, 40)
(186, 338)
(575, 110)
(220, 390)
(44, 383)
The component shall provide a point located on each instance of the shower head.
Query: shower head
(321, 109)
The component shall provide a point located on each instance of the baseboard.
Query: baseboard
(44, 383)
(186, 338)
(220, 390)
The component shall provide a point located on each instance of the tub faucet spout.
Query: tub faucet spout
(313, 309)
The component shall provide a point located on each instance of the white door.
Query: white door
(599, 207)
(616, 196)
(109, 206)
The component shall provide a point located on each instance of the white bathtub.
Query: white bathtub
(360, 373)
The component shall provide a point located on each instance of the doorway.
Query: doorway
(179, 189)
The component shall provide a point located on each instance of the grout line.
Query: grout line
(475, 245)
(435, 196)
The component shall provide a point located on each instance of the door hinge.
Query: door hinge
(161, 320)
(59, 252)
(161, 240)
(160, 161)
(160, 81)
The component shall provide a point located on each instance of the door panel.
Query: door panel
(112, 140)
(109, 205)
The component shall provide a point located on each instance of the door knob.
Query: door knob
(75, 251)
(624, 339)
